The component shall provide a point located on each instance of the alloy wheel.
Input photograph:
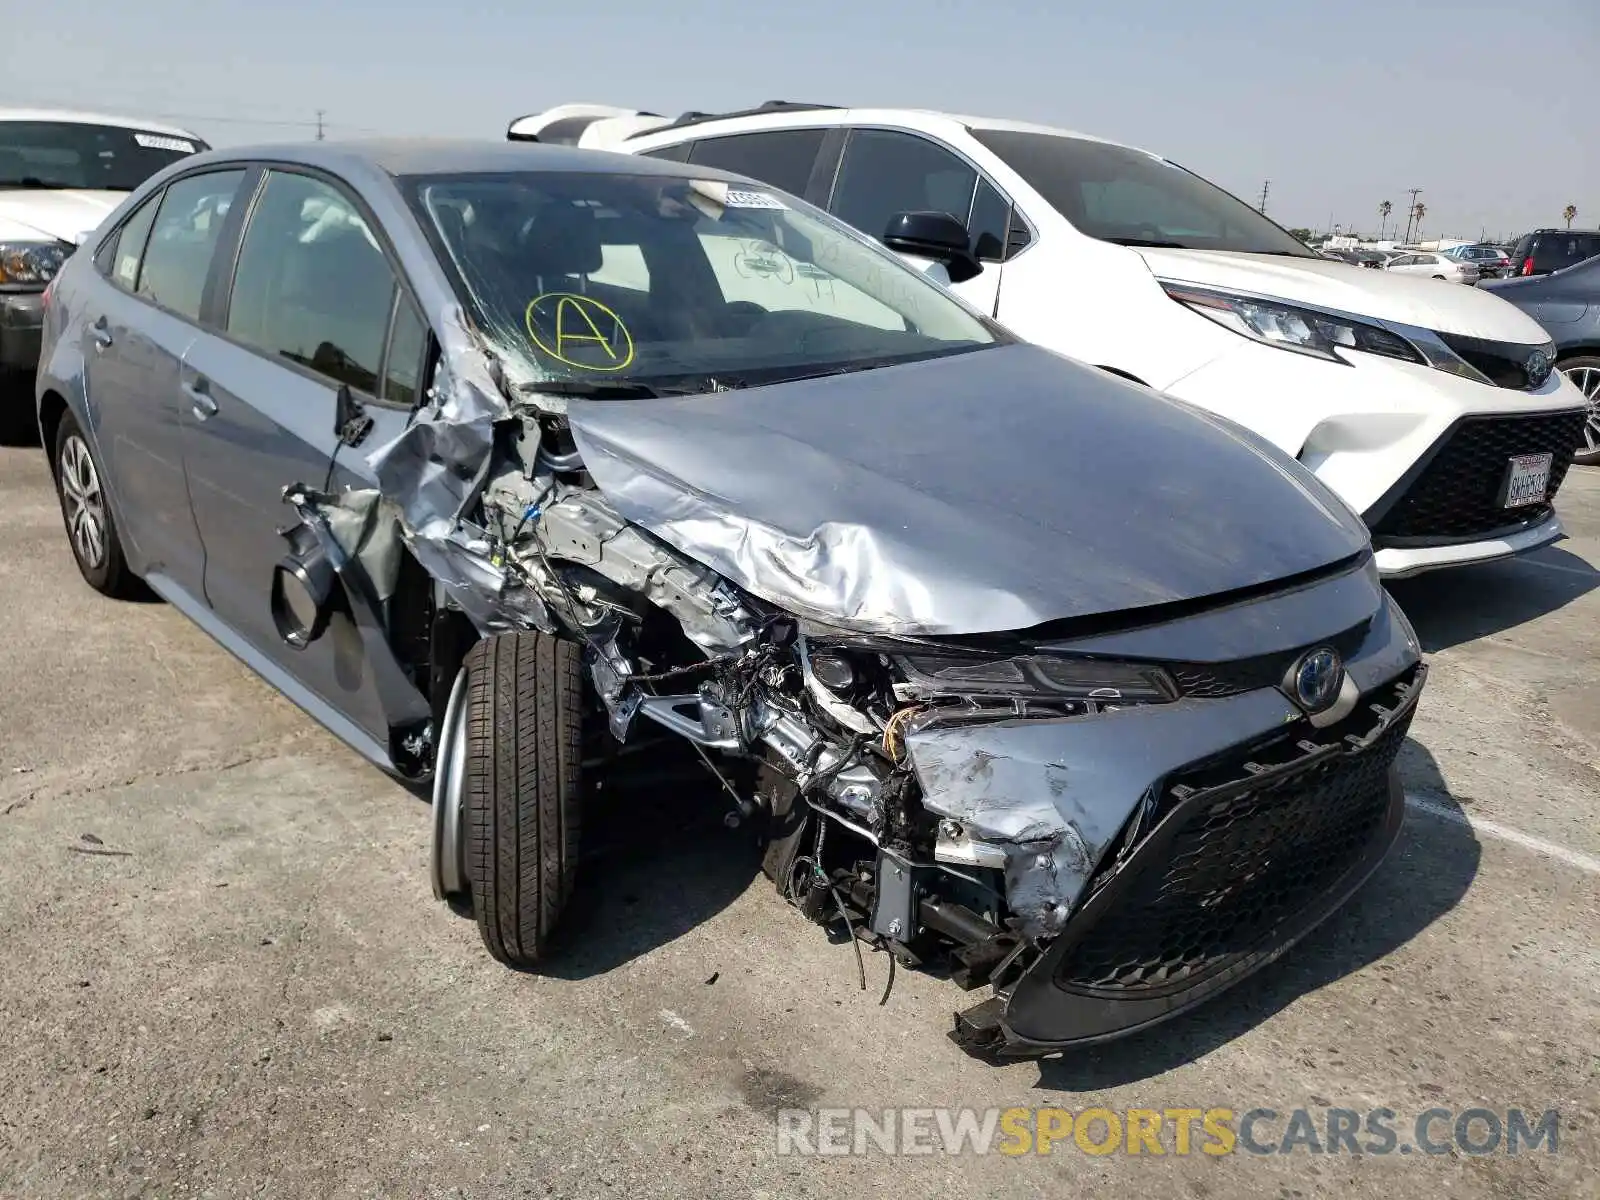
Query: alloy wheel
(84, 502)
(1587, 381)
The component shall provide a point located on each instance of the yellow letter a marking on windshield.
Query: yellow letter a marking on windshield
(585, 329)
(573, 304)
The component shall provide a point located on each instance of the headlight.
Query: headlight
(1302, 330)
(1038, 675)
(31, 262)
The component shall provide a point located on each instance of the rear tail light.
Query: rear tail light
(1527, 265)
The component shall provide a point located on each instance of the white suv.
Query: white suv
(1432, 411)
(60, 174)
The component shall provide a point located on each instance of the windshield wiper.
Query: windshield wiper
(585, 389)
(1154, 245)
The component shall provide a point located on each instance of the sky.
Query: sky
(1489, 108)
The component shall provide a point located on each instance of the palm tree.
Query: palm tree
(1569, 212)
(1419, 211)
(1384, 210)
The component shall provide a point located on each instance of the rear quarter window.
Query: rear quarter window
(1555, 250)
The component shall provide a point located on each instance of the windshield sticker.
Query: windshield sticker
(763, 260)
(722, 196)
(740, 198)
(579, 331)
(156, 141)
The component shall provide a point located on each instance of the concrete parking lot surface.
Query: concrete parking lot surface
(223, 973)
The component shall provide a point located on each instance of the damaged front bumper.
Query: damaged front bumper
(1156, 854)
(1236, 856)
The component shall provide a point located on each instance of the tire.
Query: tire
(91, 529)
(521, 796)
(1584, 372)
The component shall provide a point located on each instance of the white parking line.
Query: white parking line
(1587, 572)
(1572, 858)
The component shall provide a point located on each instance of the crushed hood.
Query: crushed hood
(49, 213)
(1323, 283)
(986, 491)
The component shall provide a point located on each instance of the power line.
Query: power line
(319, 124)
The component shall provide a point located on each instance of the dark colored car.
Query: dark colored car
(1491, 261)
(1357, 258)
(1567, 304)
(1546, 250)
(523, 468)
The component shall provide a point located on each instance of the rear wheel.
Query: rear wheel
(1585, 375)
(91, 531)
(519, 705)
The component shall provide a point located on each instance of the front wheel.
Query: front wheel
(513, 756)
(1585, 375)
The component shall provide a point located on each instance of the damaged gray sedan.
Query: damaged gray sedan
(510, 463)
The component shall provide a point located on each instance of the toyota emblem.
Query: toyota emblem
(1316, 679)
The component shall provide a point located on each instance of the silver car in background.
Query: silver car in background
(505, 462)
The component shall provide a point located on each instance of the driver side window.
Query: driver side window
(885, 173)
(313, 285)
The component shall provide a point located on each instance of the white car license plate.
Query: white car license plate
(1528, 479)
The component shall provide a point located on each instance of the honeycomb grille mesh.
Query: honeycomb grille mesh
(1458, 494)
(1240, 865)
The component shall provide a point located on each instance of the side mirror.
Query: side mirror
(934, 235)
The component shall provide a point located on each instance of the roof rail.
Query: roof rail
(766, 106)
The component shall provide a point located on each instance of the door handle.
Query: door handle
(200, 401)
(101, 333)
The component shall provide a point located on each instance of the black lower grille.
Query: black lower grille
(1244, 858)
(1460, 493)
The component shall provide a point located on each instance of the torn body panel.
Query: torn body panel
(1054, 794)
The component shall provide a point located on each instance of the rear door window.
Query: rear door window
(885, 173)
(183, 239)
(780, 157)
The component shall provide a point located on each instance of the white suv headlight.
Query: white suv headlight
(30, 263)
(1291, 327)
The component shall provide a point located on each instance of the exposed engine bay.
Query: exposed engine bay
(822, 717)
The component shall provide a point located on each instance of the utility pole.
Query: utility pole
(1411, 212)
(1263, 206)
(321, 112)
